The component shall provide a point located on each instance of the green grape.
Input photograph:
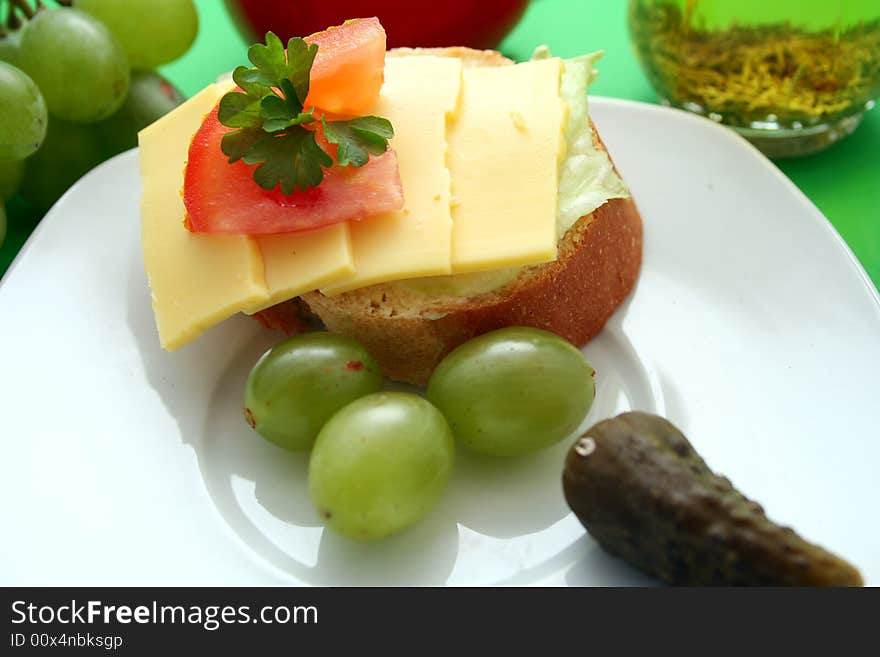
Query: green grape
(70, 150)
(78, 64)
(298, 384)
(10, 178)
(513, 391)
(2, 223)
(9, 44)
(380, 464)
(150, 96)
(23, 118)
(153, 32)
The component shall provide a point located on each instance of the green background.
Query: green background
(843, 181)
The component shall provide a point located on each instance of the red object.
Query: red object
(472, 23)
(223, 198)
(347, 73)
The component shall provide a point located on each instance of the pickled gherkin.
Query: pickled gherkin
(642, 491)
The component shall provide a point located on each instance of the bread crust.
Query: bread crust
(409, 334)
(573, 297)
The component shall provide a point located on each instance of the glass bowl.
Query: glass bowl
(792, 76)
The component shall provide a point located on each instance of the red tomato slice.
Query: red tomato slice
(223, 198)
(349, 68)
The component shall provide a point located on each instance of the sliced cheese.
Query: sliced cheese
(419, 96)
(504, 152)
(295, 263)
(196, 280)
(478, 149)
(302, 262)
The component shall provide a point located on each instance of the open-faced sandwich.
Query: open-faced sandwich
(411, 199)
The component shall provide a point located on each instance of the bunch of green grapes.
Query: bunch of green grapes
(77, 84)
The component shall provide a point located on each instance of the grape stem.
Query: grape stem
(23, 7)
(14, 21)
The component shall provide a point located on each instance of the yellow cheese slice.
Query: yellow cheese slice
(504, 152)
(478, 151)
(199, 280)
(196, 280)
(295, 263)
(419, 96)
(302, 262)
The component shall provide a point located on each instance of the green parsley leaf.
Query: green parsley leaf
(358, 138)
(301, 57)
(281, 112)
(294, 160)
(276, 124)
(247, 79)
(270, 120)
(270, 61)
(375, 125)
(238, 110)
(235, 144)
(289, 94)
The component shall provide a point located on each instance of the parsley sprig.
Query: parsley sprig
(269, 116)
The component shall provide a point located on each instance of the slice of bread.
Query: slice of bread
(409, 332)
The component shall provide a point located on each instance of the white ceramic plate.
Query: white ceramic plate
(753, 328)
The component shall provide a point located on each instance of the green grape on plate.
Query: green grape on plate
(513, 391)
(298, 384)
(152, 32)
(23, 118)
(78, 64)
(380, 464)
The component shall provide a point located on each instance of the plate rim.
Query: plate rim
(734, 138)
